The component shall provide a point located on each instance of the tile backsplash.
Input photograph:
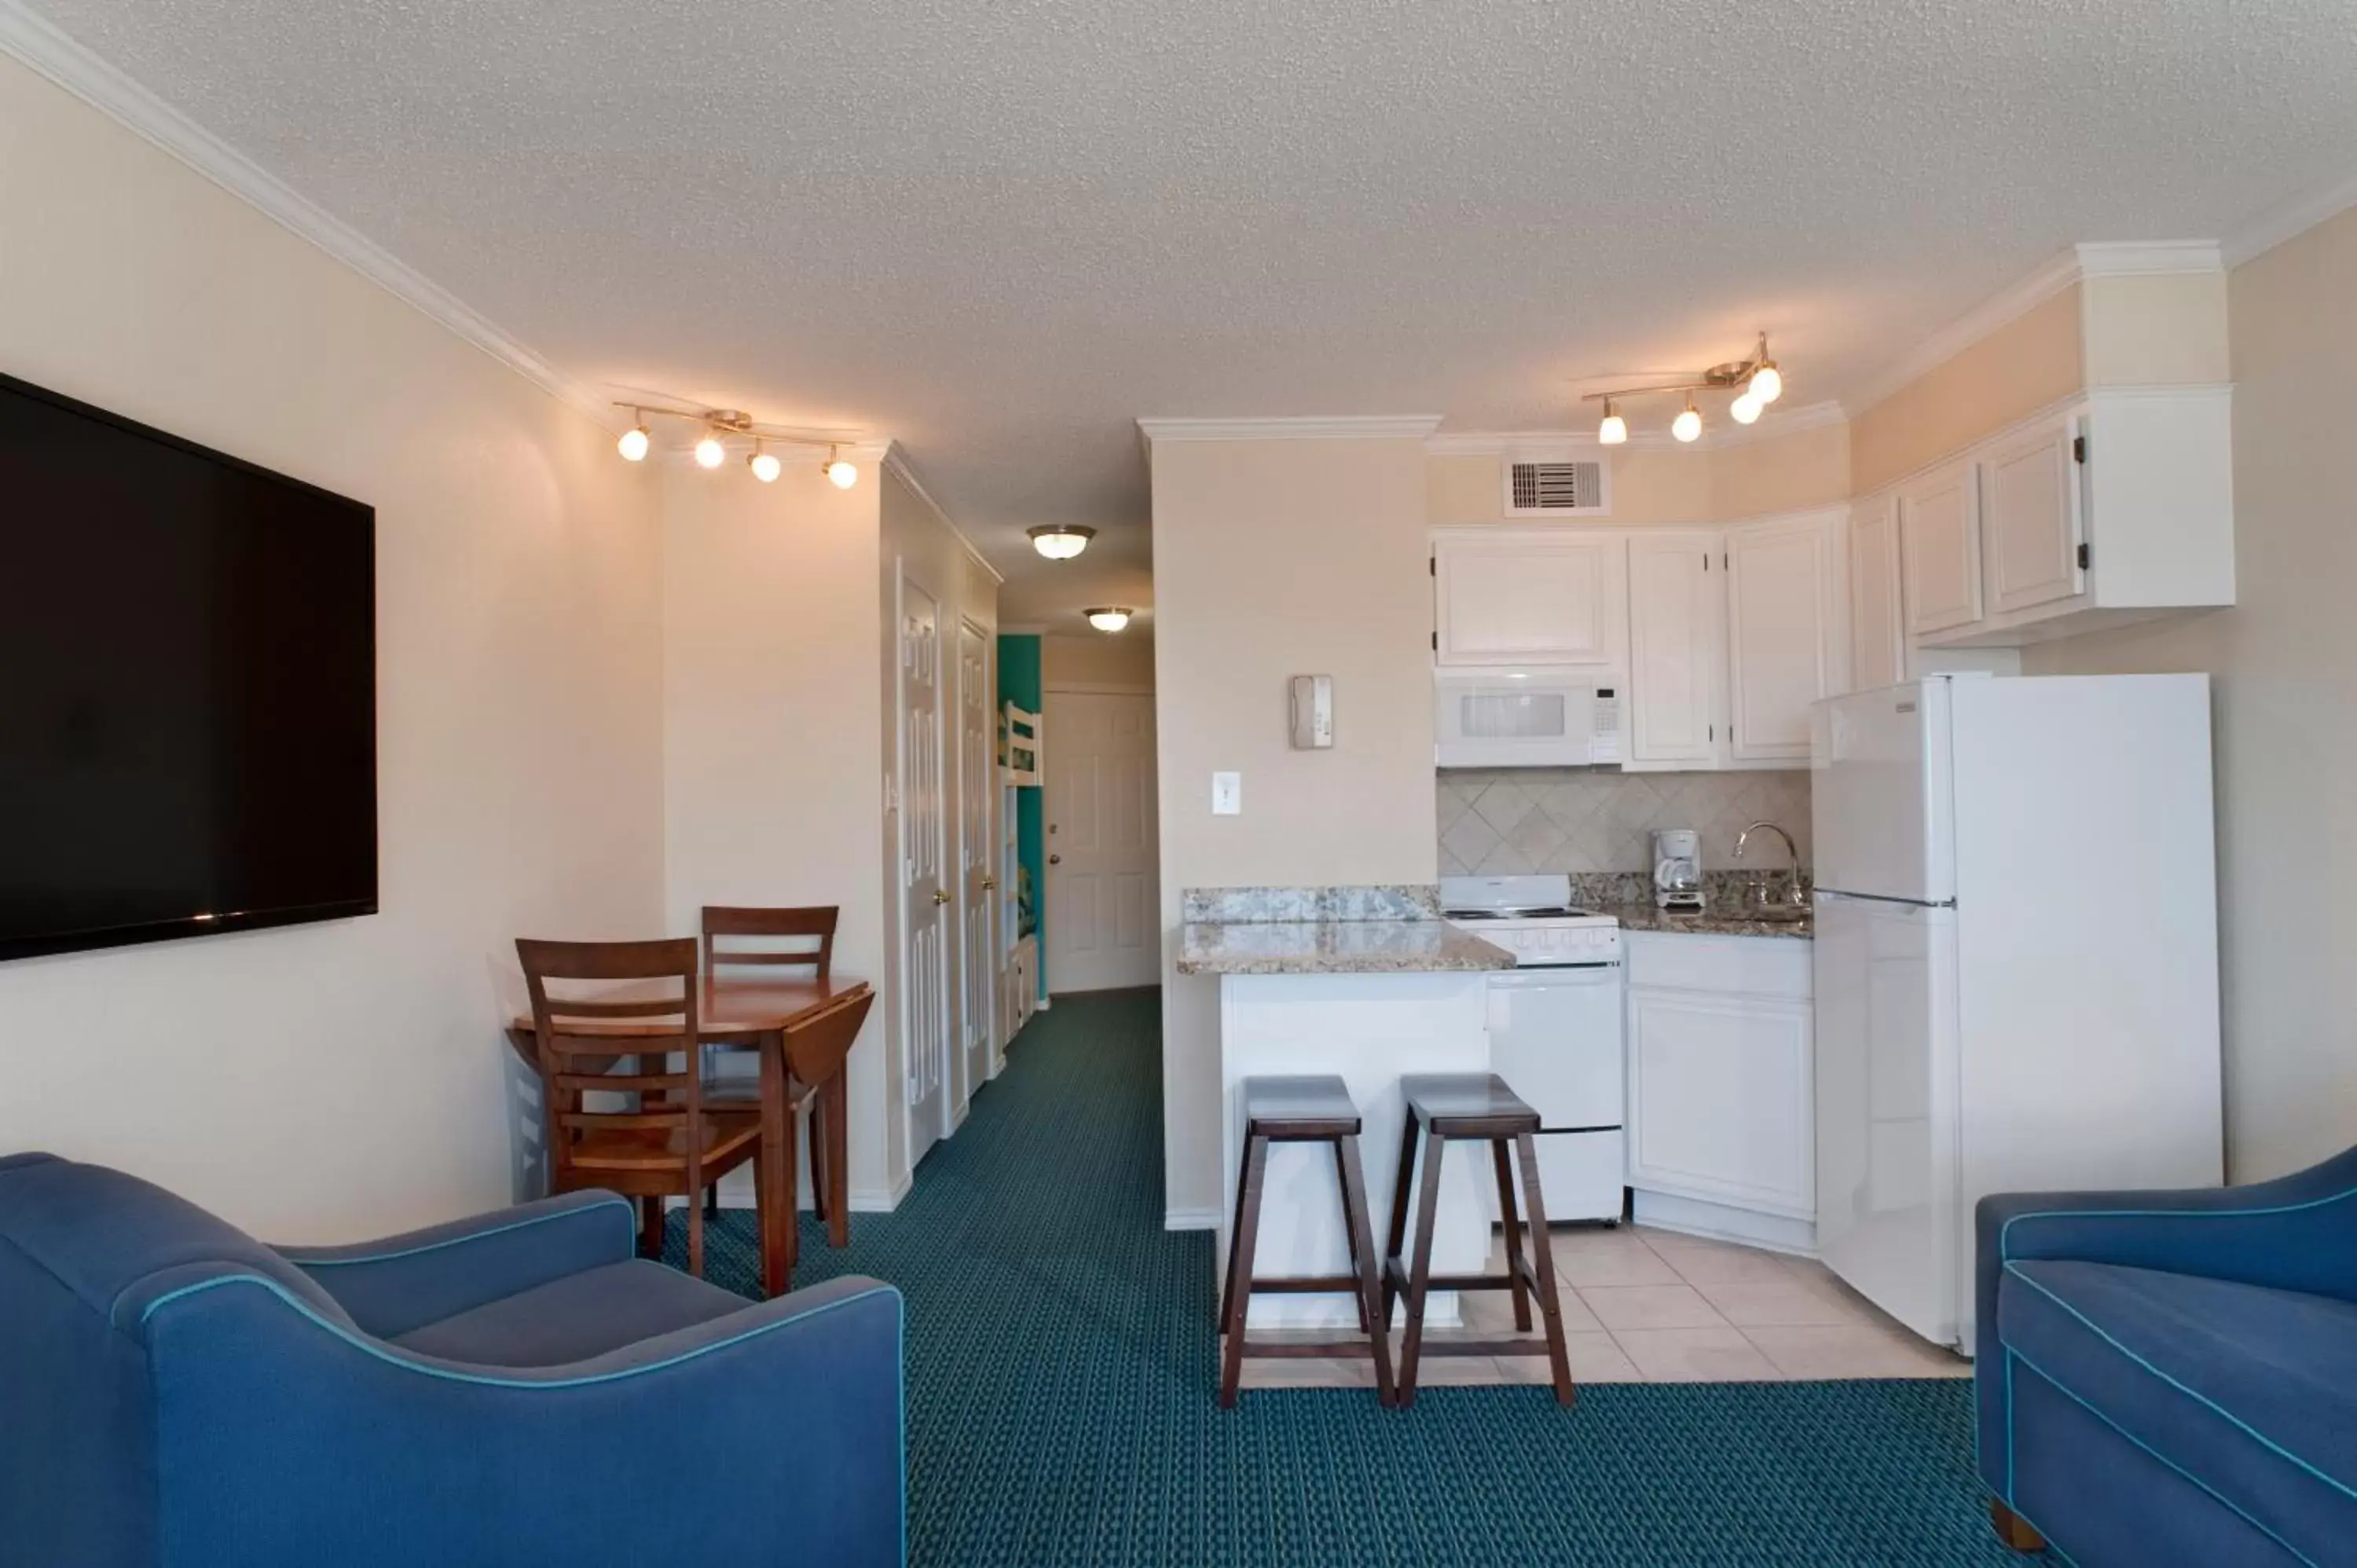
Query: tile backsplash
(1508, 822)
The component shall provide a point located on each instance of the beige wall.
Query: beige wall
(1271, 559)
(1097, 661)
(916, 542)
(2163, 330)
(2029, 362)
(1669, 484)
(337, 1081)
(769, 640)
(2284, 661)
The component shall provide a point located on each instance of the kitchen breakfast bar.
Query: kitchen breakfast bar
(1368, 984)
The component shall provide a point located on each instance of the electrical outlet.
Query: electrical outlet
(1227, 794)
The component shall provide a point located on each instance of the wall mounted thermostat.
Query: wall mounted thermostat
(1313, 712)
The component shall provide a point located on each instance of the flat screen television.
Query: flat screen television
(188, 687)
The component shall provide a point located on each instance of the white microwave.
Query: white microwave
(1526, 718)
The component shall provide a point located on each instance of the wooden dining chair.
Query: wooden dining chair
(752, 956)
(668, 1144)
(723, 921)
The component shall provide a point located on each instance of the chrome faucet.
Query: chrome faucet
(1759, 878)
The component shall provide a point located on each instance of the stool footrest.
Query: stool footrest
(1280, 1349)
(1307, 1284)
(1397, 1273)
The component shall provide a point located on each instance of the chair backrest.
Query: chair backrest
(640, 1001)
(722, 922)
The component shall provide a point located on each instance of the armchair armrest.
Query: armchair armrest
(400, 1282)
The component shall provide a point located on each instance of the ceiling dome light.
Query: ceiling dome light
(709, 452)
(1688, 423)
(765, 465)
(1112, 618)
(1767, 384)
(1746, 409)
(1614, 430)
(840, 471)
(635, 441)
(1059, 540)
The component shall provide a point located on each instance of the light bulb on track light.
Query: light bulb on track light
(1746, 409)
(1688, 423)
(765, 465)
(635, 442)
(840, 471)
(709, 452)
(1767, 384)
(1614, 430)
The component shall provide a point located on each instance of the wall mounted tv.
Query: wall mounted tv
(188, 687)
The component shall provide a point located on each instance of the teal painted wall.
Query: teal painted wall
(1020, 683)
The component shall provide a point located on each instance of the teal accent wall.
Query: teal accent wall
(1019, 681)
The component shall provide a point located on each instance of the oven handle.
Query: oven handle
(1574, 971)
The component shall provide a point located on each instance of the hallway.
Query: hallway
(1060, 1376)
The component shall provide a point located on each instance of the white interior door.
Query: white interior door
(924, 900)
(977, 975)
(1104, 897)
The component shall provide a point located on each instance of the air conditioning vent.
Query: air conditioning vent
(1557, 490)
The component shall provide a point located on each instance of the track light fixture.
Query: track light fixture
(718, 427)
(1059, 540)
(636, 439)
(1109, 618)
(1756, 381)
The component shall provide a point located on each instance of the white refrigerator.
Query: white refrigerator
(2017, 962)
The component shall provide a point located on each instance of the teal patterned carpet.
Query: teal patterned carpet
(1061, 1377)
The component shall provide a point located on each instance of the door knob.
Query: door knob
(989, 884)
(941, 895)
(1055, 860)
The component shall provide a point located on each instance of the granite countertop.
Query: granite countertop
(1334, 946)
(1727, 921)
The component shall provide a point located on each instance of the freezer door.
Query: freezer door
(1881, 793)
(1889, 1209)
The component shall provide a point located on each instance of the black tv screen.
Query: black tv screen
(188, 687)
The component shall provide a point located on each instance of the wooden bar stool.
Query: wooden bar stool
(1311, 1110)
(1472, 1105)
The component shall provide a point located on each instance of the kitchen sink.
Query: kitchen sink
(1787, 914)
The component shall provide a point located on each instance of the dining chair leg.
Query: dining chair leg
(712, 1201)
(695, 1236)
(650, 1227)
(773, 1173)
(817, 1136)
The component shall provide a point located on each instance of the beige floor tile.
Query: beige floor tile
(1701, 1263)
(1773, 1303)
(1453, 1372)
(1854, 1350)
(1696, 1356)
(1649, 1306)
(1595, 1357)
(1308, 1372)
(1608, 1258)
(1492, 1311)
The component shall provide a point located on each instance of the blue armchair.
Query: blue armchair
(513, 1388)
(2172, 1377)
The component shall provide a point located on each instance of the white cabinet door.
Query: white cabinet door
(1939, 535)
(1720, 1102)
(1519, 597)
(1780, 580)
(2029, 517)
(1877, 636)
(1677, 619)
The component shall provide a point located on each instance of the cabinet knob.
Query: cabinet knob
(941, 895)
(1055, 860)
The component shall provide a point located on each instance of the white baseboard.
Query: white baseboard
(1193, 1219)
(1721, 1223)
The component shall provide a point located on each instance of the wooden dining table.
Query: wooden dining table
(760, 1015)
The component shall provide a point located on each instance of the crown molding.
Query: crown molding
(51, 53)
(894, 462)
(2094, 260)
(1342, 427)
(1569, 446)
(2287, 219)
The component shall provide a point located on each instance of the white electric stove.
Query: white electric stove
(1556, 1030)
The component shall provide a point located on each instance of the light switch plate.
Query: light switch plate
(1227, 794)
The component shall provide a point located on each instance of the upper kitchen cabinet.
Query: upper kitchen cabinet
(2118, 509)
(1530, 597)
(1677, 648)
(1877, 636)
(1785, 631)
(1940, 542)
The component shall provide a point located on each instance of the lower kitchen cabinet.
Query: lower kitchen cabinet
(1722, 1137)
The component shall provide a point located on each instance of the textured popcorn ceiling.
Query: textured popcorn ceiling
(1002, 231)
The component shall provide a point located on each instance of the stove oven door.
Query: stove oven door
(1555, 1037)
